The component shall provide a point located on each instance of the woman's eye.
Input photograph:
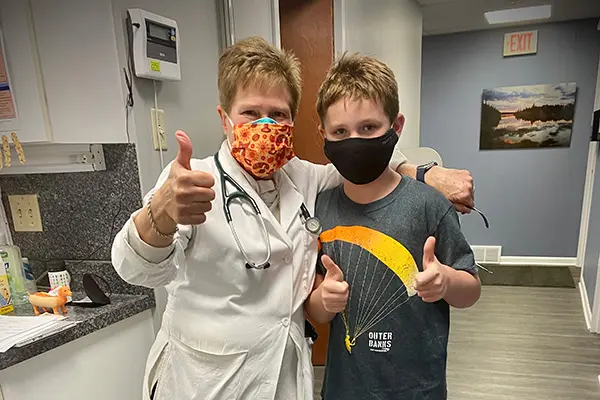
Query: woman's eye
(280, 117)
(339, 132)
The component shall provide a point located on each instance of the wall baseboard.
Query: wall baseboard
(539, 261)
(585, 301)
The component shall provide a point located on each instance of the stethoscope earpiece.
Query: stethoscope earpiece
(254, 266)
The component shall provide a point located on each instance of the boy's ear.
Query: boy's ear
(321, 131)
(398, 124)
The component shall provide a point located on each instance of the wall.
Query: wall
(77, 209)
(390, 31)
(190, 104)
(533, 197)
(255, 18)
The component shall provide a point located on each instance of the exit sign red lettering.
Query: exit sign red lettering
(518, 43)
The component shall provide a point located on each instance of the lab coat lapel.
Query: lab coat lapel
(231, 166)
(290, 200)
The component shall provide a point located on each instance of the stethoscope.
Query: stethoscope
(487, 225)
(312, 224)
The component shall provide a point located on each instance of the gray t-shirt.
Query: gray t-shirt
(397, 342)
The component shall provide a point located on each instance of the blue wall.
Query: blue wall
(532, 197)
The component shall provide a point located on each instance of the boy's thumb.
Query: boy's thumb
(333, 271)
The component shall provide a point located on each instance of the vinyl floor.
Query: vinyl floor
(526, 343)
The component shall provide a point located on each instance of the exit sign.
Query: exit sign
(519, 43)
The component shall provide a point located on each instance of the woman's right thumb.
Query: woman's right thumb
(184, 152)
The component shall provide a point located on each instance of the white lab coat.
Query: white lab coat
(225, 327)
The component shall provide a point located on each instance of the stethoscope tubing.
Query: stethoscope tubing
(312, 224)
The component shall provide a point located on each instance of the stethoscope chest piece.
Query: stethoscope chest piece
(313, 225)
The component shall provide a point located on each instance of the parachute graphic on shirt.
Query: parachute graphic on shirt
(380, 271)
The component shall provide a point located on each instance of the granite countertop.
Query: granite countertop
(91, 320)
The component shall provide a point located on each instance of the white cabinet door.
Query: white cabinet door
(106, 365)
(80, 67)
(22, 101)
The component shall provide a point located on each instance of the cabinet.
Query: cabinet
(24, 78)
(62, 60)
(80, 67)
(107, 364)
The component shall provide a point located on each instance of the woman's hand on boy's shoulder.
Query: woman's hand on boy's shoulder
(455, 184)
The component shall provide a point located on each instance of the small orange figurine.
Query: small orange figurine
(45, 300)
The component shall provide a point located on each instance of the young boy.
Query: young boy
(394, 256)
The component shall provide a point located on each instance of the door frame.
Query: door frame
(592, 311)
(339, 28)
(276, 25)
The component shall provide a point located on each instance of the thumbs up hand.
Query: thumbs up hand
(334, 290)
(185, 197)
(432, 283)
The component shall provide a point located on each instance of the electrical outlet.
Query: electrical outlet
(158, 132)
(25, 213)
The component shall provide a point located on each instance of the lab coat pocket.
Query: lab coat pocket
(197, 374)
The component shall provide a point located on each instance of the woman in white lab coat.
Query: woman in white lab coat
(233, 327)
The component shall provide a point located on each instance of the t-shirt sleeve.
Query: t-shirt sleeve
(451, 246)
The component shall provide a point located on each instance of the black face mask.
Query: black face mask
(362, 160)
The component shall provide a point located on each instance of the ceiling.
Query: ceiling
(449, 16)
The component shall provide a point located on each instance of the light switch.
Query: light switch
(158, 128)
(25, 212)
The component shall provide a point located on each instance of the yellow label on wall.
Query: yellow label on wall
(155, 65)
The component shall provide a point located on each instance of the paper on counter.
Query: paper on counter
(15, 330)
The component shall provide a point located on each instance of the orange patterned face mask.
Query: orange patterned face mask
(262, 147)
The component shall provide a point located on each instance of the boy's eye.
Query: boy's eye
(369, 128)
(250, 113)
(339, 132)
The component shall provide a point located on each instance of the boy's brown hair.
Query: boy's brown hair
(255, 62)
(355, 77)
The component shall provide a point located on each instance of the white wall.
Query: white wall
(390, 30)
(256, 18)
(190, 104)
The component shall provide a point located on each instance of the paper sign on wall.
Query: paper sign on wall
(7, 105)
(519, 43)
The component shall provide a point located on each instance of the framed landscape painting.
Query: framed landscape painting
(524, 117)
